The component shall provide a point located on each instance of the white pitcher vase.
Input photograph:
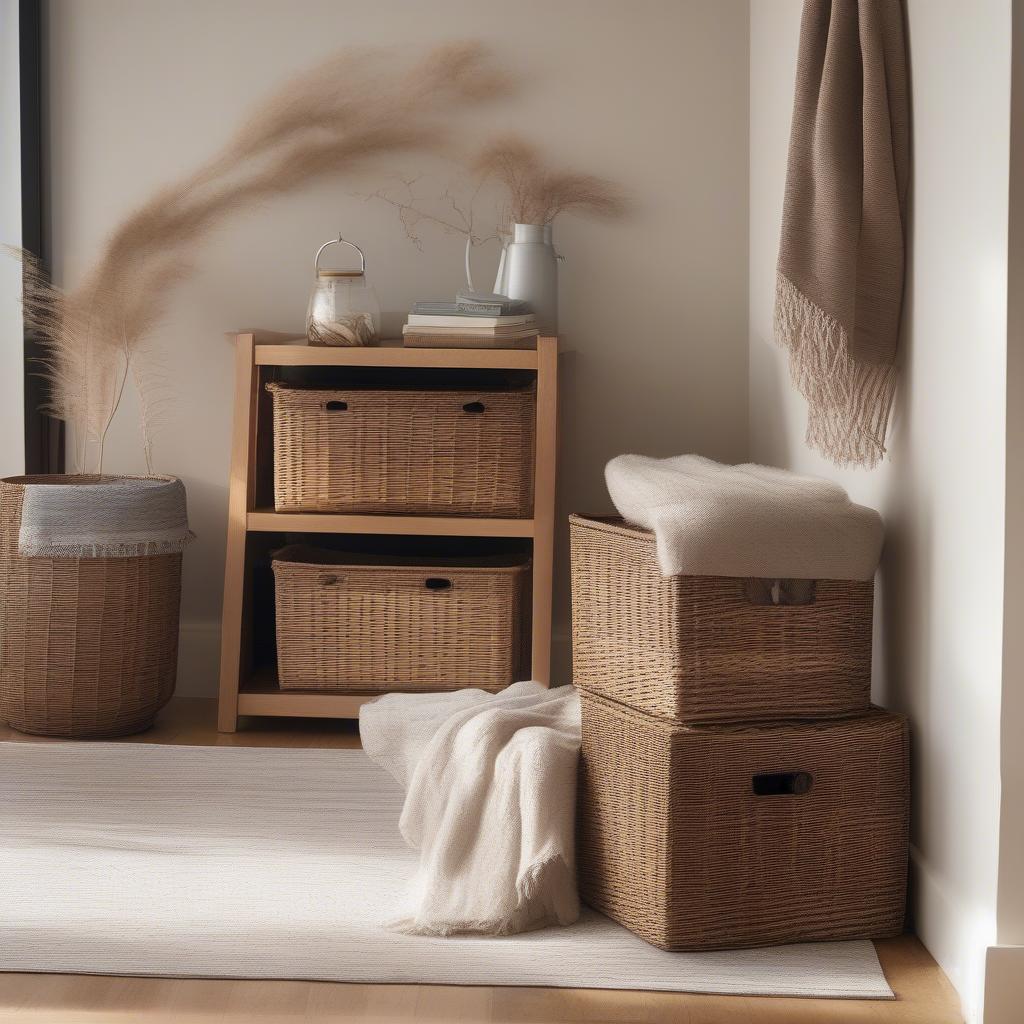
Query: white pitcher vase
(528, 270)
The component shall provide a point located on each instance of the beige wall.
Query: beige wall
(941, 491)
(653, 94)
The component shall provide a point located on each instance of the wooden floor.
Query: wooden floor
(924, 996)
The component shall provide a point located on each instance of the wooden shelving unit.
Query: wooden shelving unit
(250, 689)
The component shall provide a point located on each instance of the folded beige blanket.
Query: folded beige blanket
(715, 520)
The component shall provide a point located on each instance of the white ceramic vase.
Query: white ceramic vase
(528, 270)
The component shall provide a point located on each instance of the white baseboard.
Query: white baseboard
(955, 932)
(1004, 985)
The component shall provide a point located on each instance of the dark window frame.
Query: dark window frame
(44, 435)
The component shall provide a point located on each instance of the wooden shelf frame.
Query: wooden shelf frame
(300, 704)
(244, 691)
(394, 354)
(269, 521)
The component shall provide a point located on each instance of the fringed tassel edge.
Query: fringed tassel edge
(102, 549)
(849, 403)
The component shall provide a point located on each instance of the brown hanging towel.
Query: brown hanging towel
(840, 275)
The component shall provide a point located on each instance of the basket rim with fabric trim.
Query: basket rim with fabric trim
(88, 646)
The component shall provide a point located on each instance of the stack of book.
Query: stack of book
(471, 322)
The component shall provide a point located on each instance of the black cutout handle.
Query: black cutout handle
(779, 592)
(437, 583)
(782, 784)
(475, 407)
(335, 406)
(328, 581)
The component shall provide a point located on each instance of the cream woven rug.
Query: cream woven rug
(267, 863)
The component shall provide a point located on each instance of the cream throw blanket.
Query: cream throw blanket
(490, 804)
(841, 255)
(749, 521)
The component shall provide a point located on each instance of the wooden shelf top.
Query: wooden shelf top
(393, 353)
(269, 521)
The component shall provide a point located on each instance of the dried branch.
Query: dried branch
(537, 194)
(412, 209)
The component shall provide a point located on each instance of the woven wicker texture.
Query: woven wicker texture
(377, 627)
(88, 647)
(404, 452)
(675, 844)
(699, 649)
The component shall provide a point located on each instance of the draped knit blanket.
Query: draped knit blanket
(841, 259)
(490, 803)
(104, 517)
(747, 521)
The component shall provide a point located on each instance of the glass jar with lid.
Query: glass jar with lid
(343, 309)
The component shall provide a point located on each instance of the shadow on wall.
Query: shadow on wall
(774, 393)
(908, 534)
(207, 512)
(902, 662)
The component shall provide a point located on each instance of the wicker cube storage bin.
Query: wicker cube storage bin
(348, 624)
(423, 452)
(713, 648)
(710, 837)
(88, 646)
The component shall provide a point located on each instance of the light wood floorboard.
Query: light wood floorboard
(924, 995)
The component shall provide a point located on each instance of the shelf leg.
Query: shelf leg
(233, 651)
(544, 506)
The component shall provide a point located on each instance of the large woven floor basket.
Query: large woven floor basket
(362, 625)
(713, 648)
(404, 452)
(717, 836)
(88, 647)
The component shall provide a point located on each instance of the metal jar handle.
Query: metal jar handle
(335, 241)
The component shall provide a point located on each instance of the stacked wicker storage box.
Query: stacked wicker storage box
(736, 786)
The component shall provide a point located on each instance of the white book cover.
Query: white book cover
(466, 322)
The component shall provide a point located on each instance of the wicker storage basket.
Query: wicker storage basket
(404, 452)
(345, 624)
(88, 647)
(706, 837)
(712, 648)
